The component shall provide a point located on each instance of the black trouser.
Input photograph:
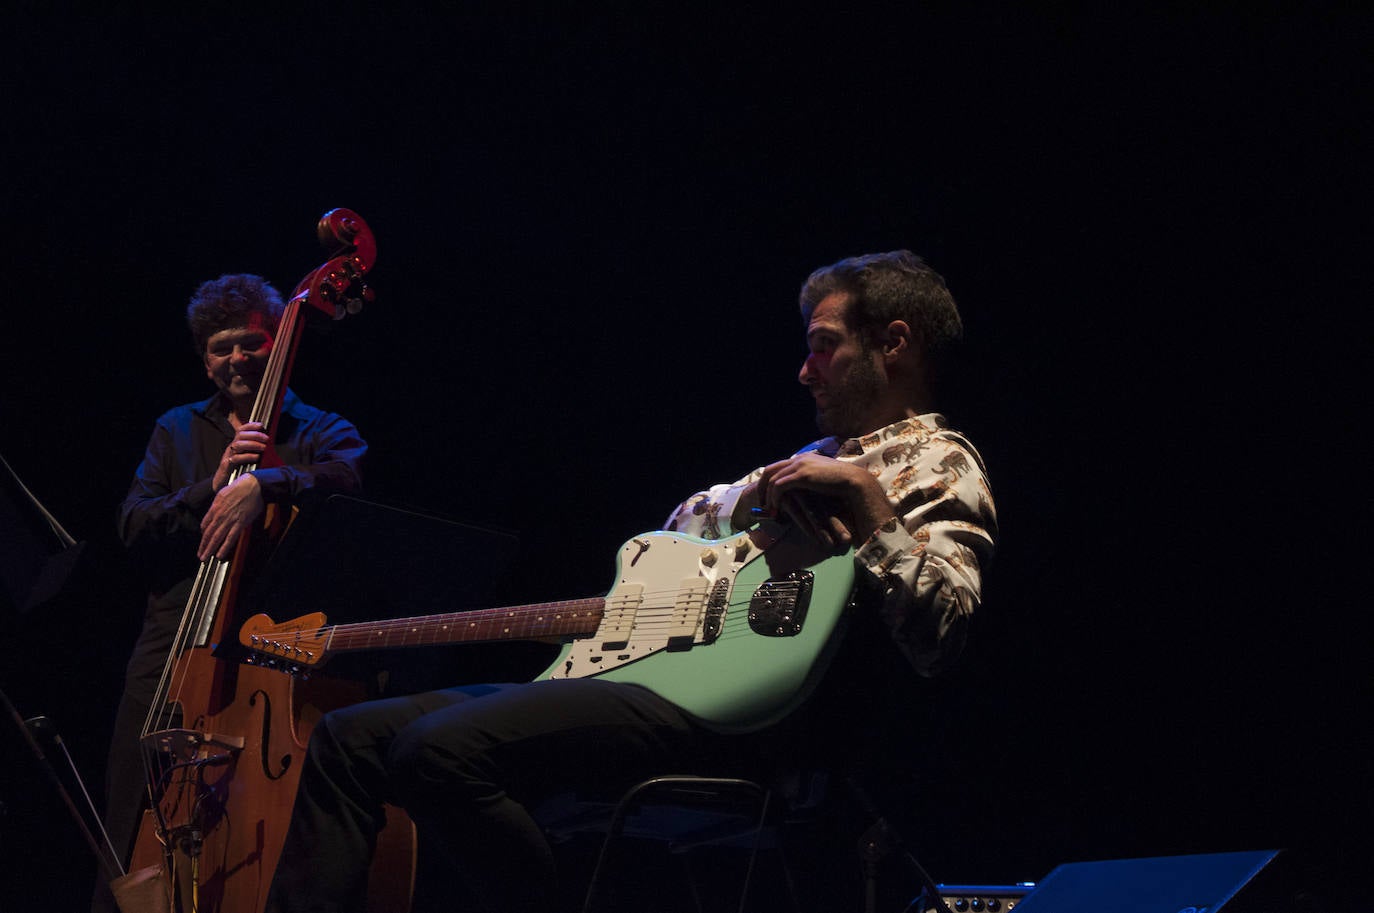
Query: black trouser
(467, 764)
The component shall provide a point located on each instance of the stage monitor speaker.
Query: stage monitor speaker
(1244, 882)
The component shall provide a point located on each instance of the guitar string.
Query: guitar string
(531, 612)
(735, 626)
(553, 609)
(644, 617)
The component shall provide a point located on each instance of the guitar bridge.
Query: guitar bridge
(716, 604)
(778, 606)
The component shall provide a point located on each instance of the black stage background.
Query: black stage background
(591, 230)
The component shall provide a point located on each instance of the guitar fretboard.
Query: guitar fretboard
(531, 622)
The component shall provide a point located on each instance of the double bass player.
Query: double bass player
(183, 507)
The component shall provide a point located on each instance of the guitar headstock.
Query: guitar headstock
(292, 646)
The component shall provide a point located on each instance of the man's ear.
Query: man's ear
(897, 338)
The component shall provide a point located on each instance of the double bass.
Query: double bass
(223, 741)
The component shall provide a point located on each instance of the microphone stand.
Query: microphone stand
(876, 843)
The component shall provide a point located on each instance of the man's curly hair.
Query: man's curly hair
(230, 302)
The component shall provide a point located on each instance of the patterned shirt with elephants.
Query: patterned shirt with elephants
(926, 566)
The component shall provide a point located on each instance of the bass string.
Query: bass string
(264, 406)
(201, 615)
(159, 714)
(208, 587)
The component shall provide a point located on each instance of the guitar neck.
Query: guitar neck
(576, 617)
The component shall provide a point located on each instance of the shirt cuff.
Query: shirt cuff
(888, 544)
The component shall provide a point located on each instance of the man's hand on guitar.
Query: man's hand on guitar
(836, 502)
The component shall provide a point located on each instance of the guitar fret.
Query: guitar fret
(577, 617)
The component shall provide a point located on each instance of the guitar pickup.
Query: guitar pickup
(688, 609)
(618, 619)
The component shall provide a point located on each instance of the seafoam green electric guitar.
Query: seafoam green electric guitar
(735, 631)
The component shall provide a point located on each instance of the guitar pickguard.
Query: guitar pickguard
(653, 607)
(735, 631)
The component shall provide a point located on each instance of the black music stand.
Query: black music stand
(37, 556)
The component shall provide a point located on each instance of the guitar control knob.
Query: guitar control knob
(708, 557)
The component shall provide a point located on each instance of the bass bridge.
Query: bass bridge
(191, 747)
